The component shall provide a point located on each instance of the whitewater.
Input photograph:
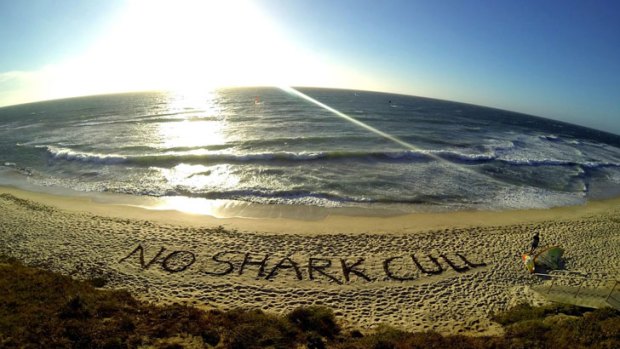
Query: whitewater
(267, 146)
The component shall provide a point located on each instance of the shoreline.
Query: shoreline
(284, 219)
(446, 272)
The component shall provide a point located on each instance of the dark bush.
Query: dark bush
(315, 319)
(315, 342)
(98, 282)
(255, 329)
(39, 309)
(74, 309)
(356, 334)
(210, 337)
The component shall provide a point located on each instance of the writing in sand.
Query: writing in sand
(267, 266)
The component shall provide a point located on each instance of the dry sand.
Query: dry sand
(362, 267)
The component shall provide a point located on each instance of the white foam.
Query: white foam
(533, 197)
(69, 154)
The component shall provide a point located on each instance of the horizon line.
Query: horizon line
(170, 90)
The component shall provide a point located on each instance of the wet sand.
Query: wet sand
(442, 271)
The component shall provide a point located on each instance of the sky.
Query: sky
(555, 59)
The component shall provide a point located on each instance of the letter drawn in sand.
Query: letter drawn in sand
(140, 249)
(285, 263)
(348, 269)
(473, 265)
(217, 259)
(454, 266)
(439, 269)
(393, 267)
(182, 261)
(248, 261)
(390, 274)
(319, 265)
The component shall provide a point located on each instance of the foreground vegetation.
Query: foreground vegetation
(40, 309)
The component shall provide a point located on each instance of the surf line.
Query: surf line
(388, 136)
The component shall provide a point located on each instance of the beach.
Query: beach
(424, 271)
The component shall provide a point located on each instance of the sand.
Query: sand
(446, 272)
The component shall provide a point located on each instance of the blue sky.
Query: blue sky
(556, 59)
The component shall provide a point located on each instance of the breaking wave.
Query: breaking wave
(275, 158)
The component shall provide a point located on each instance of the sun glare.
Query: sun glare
(188, 46)
(191, 45)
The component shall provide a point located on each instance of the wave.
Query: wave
(291, 196)
(72, 155)
(555, 162)
(261, 194)
(162, 118)
(183, 157)
(22, 170)
(273, 157)
(551, 138)
(421, 156)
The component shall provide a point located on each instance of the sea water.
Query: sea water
(267, 146)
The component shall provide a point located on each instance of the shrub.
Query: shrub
(316, 319)
(523, 312)
(254, 329)
(530, 331)
(43, 309)
(98, 281)
(74, 309)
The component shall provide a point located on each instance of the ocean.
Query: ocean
(267, 146)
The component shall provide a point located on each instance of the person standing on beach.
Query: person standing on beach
(535, 241)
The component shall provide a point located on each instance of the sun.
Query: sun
(189, 47)
(192, 45)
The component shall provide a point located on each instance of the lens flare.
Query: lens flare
(396, 140)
